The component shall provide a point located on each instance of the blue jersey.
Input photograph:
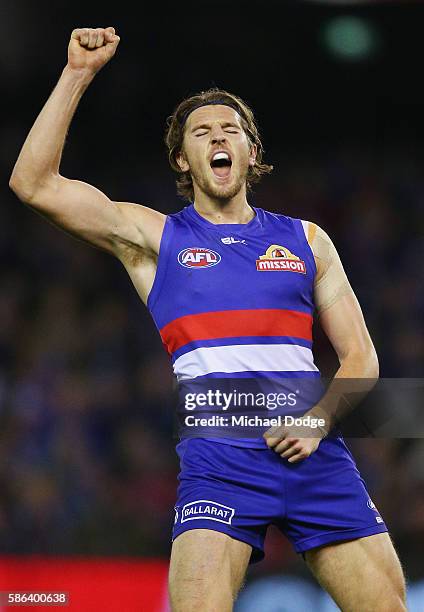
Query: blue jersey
(235, 300)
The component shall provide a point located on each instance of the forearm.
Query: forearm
(41, 153)
(356, 376)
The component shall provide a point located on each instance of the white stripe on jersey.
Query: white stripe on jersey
(244, 358)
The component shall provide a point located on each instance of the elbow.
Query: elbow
(370, 367)
(28, 190)
(362, 363)
(373, 366)
(20, 188)
(13, 182)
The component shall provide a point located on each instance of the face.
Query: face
(208, 131)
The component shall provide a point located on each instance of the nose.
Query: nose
(218, 139)
(218, 135)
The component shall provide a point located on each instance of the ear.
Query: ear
(252, 154)
(182, 162)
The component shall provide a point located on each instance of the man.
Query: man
(277, 270)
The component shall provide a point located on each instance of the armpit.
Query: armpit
(331, 282)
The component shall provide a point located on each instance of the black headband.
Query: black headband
(223, 102)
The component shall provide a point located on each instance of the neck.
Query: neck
(232, 210)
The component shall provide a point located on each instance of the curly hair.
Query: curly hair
(174, 136)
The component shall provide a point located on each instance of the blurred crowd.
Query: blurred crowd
(87, 461)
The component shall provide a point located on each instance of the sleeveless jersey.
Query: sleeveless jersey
(235, 300)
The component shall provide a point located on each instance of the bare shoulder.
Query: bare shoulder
(147, 227)
(321, 245)
(315, 234)
(331, 282)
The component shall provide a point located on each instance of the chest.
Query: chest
(222, 270)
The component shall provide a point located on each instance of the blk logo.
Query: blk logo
(232, 240)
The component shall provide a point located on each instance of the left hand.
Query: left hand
(288, 443)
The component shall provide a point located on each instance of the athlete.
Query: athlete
(232, 289)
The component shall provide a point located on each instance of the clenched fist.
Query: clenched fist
(91, 48)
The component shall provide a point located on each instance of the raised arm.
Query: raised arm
(76, 207)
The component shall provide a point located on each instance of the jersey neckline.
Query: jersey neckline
(234, 227)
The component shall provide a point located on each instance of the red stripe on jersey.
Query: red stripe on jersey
(234, 323)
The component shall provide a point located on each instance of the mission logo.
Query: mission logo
(279, 259)
(198, 258)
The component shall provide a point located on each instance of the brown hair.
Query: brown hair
(174, 136)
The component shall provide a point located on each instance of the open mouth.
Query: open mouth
(221, 165)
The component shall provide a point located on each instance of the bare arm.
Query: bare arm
(79, 208)
(342, 321)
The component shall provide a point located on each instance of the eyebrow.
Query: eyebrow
(207, 125)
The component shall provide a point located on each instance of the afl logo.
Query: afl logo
(198, 258)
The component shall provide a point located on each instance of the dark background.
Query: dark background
(86, 445)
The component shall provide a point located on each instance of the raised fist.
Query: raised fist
(91, 48)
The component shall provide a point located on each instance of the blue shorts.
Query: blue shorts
(240, 491)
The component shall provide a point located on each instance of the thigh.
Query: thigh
(363, 574)
(206, 571)
(236, 491)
